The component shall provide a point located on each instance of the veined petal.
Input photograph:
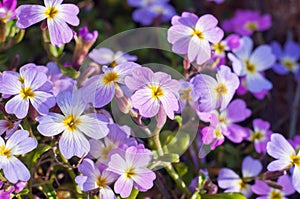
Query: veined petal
(60, 32)
(181, 45)
(52, 3)
(123, 186)
(204, 52)
(214, 35)
(102, 55)
(117, 164)
(228, 179)
(104, 94)
(51, 124)
(206, 22)
(144, 177)
(251, 167)
(106, 193)
(18, 106)
(145, 76)
(20, 142)
(68, 13)
(92, 127)
(42, 102)
(73, 144)
(295, 178)
(262, 58)
(14, 170)
(10, 84)
(244, 51)
(71, 103)
(29, 14)
(280, 164)
(34, 79)
(170, 103)
(178, 32)
(237, 65)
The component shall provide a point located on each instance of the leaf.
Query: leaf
(49, 191)
(223, 196)
(34, 155)
(171, 157)
(196, 195)
(181, 168)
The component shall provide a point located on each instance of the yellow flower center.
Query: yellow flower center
(27, 93)
(51, 12)
(250, 67)
(101, 182)
(295, 160)
(289, 64)
(156, 92)
(217, 133)
(222, 119)
(275, 194)
(243, 186)
(21, 79)
(185, 94)
(129, 173)
(105, 151)
(113, 64)
(5, 151)
(110, 77)
(257, 136)
(221, 90)
(251, 26)
(198, 33)
(219, 48)
(71, 122)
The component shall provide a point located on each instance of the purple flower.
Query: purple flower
(231, 182)
(105, 56)
(100, 89)
(213, 93)
(245, 22)
(8, 127)
(251, 64)
(192, 36)
(265, 192)
(18, 144)
(287, 57)
(132, 170)
(242, 89)
(7, 10)
(143, 3)
(95, 176)
(261, 135)
(153, 91)
(73, 125)
(223, 123)
(100, 149)
(147, 14)
(28, 87)
(87, 36)
(286, 157)
(187, 94)
(58, 15)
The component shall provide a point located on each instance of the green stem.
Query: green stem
(134, 194)
(179, 182)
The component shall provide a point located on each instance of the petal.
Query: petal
(107, 193)
(214, 35)
(92, 127)
(73, 144)
(140, 78)
(260, 188)
(237, 111)
(244, 51)
(178, 32)
(286, 182)
(102, 55)
(259, 124)
(19, 143)
(237, 133)
(68, 13)
(60, 32)
(87, 167)
(138, 157)
(181, 45)
(279, 148)
(262, 58)
(104, 94)
(170, 103)
(206, 22)
(257, 83)
(123, 186)
(117, 164)
(10, 84)
(18, 106)
(34, 79)
(29, 14)
(71, 103)
(51, 124)
(280, 69)
(237, 65)
(251, 167)
(144, 177)
(292, 49)
(52, 3)
(14, 170)
(276, 49)
(296, 179)
(280, 164)
(228, 179)
(42, 102)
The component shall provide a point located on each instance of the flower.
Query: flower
(191, 35)
(265, 192)
(287, 57)
(251, 64)
(95, 176)
(105, 56)
(27, 87)
(245, 22)
(100, 89)
(19, 143)
(116, 137)
(153, 91)
(223, 123)
(296, 142)
(57, 15)
(242, 89)
(231, 182)
(132, 171)
(7, 10)
(213, 93)
(286, 157)
(8, 127)
(261, 135)
(73, 125)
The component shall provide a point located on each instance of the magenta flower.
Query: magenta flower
(192, 36)
(286, 157)
(245, 22)
(250, 64)
(73, 124)
(132, 170)
(265, 192)
(215, 93)
(18, 144)
(96, 176)
(261, 135)
(58, 15)
(153, 91)
(26, 87)
(231, 182)
(7, 10)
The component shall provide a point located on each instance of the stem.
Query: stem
(179, 182)
(134, 194)
(294, 111)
